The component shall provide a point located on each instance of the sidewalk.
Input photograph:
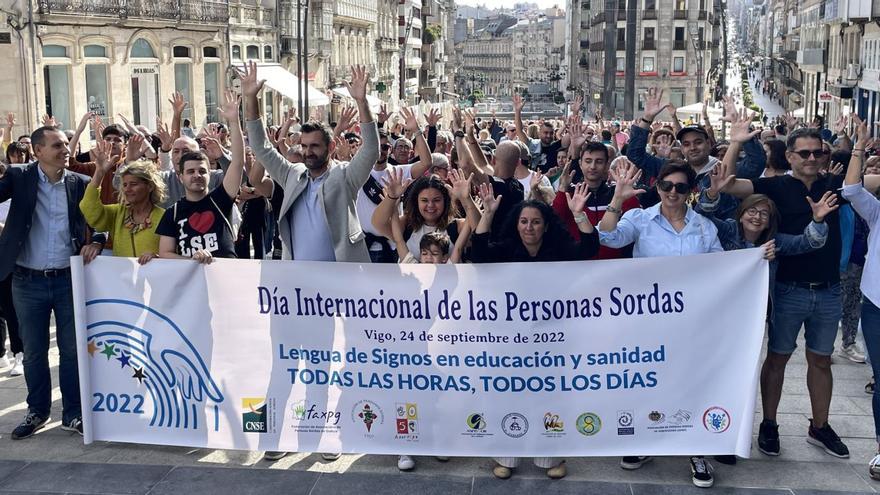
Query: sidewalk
(770, 107)
(56, 462)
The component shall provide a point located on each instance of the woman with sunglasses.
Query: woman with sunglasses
(669, 228)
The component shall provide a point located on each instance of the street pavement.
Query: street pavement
(56, 462)
(771, 108)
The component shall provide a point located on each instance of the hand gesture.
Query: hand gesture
(213, 150)
(229, 107)
(835, 168)
(863, 138)
(10, 120)
(383, 114)
(577, 129)
(250, 85)
(394, 184)
(769, 248)
(432, 117)
(410, 122)
(578, 200)
(461, 185)
(566, 177)
(343, 149)
(518, 103)
(84, 121)
(822, 208)
(488, 198)
(663, 146)
(99, 126)
(536, 179)
(670, 108)
(212, 131)
(576, 105)
(719, 180)
(357, 88)
(49, 121)
(470, 120)
(178, 103)
(457, 120)
(840, 125)
(347, 118)
(133, 150)
(739, 126)
(626, 176)
(101, 155)
(790, 121)
(653, 103)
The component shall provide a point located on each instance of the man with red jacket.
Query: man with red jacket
(593, 165)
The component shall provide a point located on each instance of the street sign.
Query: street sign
(824, 97)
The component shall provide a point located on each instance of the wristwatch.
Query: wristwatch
(459, 134)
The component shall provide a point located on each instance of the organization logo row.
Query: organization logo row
(368, 416)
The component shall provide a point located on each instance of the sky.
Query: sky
(499, 3)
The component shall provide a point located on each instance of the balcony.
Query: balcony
(679, 45)
(649, 14)
(793, 84)
(585, 5)
(197, 11)
(598, 18)
(597, 46)
(811, 56)
(585, 44)
(649, 45)
(680, 14)
(251, 16)
(789, 55)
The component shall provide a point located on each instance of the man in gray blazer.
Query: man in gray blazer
(317, 219)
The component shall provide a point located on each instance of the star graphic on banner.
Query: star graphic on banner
(139, 374)
(124, 359)
(92, 348)
(109, 351)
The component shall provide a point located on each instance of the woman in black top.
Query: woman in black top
(533, 232)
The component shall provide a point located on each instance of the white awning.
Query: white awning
(375, 103)
(279, 79)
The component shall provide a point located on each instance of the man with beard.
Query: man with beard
(696, 146)
(543, 150)
(317, 219)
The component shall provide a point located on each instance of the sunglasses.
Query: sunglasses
(680, 187)
(805, 154)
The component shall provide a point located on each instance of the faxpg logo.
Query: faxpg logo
(143, 364)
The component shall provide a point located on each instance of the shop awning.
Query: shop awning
(375, 103)
(281, 80)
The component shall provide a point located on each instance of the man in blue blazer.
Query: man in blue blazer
(43, 230)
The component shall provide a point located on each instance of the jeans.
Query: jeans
(871, 333)
(35, 297)
(818, 310)
(9, 320)
(851, 301)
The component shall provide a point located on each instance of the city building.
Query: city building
(485, 58)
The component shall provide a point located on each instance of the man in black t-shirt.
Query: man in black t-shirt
(806, 293)
(198, 226)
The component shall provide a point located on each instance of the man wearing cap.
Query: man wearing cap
(695, 145)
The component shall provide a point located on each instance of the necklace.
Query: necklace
(134, 226)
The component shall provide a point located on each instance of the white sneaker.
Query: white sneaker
(853, 353)
(874, 467)
(18, 366)
(4, 361)
(405, 463)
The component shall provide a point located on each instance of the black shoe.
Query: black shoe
(631, 463)
(869, 388)
(32, 422)
(701, 472)
(825, 438)
(768, 437)
(730, 460)
(75, 425)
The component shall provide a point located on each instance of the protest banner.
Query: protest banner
(652, 356)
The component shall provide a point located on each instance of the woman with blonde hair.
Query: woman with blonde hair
(132, 221)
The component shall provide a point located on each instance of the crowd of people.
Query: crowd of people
(405, 189)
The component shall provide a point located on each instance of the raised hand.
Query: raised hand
(566, 177)
(863, 137)
(250, 85)
(470, 120)
(49, 121)
(343, 149)
(229, 107)
(840, 125)
(432, 117)
(835, 168)
(578, 200)
(394, 184)
(536, 179)
(178, 103)
(84, 121)
(576, 105)
(663, 146)
(213, 150)
(357, 88)
(347, 118)
(410, 121)
(739, 126)
(383, 114)
(133, 150)
(488, 198)
(518, 103)
(626, 176)
(101, 155)
(670, 108)
(790, 121)
(718, 181)
(457, 120)
(10, 120)
(653, 103)
(822, 208)
(577, 129)
(460, 187)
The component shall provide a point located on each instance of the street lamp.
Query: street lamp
(698, 50)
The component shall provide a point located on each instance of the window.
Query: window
(95, 51)
(649, 34)
(236, 52)
(142, 49)
(650, 4)
(253, 52)
(621, 35)
(677, 64)
(267, 53)
(56, 80)
(621, 64)
(679, 34)
(680, 5)
(212, 90)
(180, 51)
(621, 5)
(182, 84)
(647, 64)
(676, 97)
(96, 88)
(54, 51)
(417, 33)
(210, 52)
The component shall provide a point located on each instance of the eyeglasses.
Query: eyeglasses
(805, 154)
(680, 187)
(754, 212)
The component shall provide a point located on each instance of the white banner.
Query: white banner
(603, 358)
